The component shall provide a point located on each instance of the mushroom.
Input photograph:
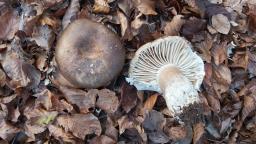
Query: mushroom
(169, 66)
(88, 55)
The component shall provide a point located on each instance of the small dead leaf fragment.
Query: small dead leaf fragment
(153, 125)
(101, 6)
(150, 102)
(192, 27)
(204, 48)
(128, 97)
(221, 23)
(240, 59)
(249, 105)
(103, 139)
(146, 7)
(173, 28)
(71, 13)
(44, 37)
(107, 100)
(60, 134)
(80, 124)
(84, 100)
(219, 52)
(9, 23)
(7, 131)
(198, 131)
(2, 78)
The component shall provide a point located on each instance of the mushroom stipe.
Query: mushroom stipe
(169, 66)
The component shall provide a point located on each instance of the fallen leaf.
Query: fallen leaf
(101, 6)
(173, 28)
(84, 100)
(80, 124)
(8, 131)
(126, 6)
(176, 133)
(103, 139)
(9, 23)
(193, 26)
(128, 97)
(125, 27)
(198, 131)
(153, 125)
(221, 79)
(125, 123)
(252, 63)
(221, 23)
(150, 102)
(240, 59)
(60, 134)
(107, 100)
(219, 52)
(249, 106)
(146, 7)
(44, 37)
(2, 78)
(204, 48)
(72, 11)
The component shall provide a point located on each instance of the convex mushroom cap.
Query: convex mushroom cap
(169, 66)
(88, 55)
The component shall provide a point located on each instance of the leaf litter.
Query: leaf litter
(34, 109)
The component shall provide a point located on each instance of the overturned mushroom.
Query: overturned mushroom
(169, 66)
(88, 55)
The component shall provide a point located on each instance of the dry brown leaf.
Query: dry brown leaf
(177, 133)
(7, 99)
(221, 79)
(41, 62)
(146, 7)
(221, 23)
(80, 124)
(219, 52)
(173, 28)
(9, 23)
(14, 114)
(44, 99)
(204, 48)
(125, 123)
(212, 99)
(84, 100)
(21, 73)
(50, 21)
(7, 131)
(44, 37)
(249, 106)
(240, 59)
(2, 78)
(60, 134)
(107, 100)
(128, 97)
(126, 6)
(198, 131)
(101, 6)
(150, 102)
(71, 13)
(103, 139)
(125, 26)
(193, 26)
(252, 63)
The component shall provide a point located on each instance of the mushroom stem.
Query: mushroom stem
(177, 89)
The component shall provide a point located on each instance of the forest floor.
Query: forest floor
(33, 109)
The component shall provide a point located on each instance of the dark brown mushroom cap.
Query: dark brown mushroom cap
(88, 54)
